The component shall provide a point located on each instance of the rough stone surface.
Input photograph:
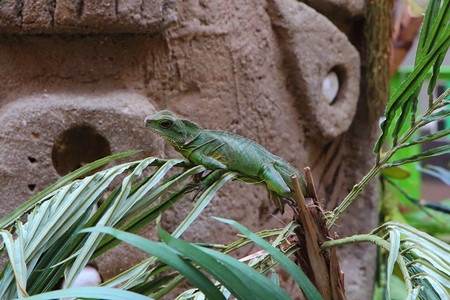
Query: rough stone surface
(30, 126)
(240, 66)
(85, 16)
(298, 27)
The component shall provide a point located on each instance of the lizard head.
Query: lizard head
(176, 131)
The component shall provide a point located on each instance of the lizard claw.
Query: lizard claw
(291, 202)
(194, 187)
(198, 188)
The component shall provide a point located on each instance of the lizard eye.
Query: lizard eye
(165, 124)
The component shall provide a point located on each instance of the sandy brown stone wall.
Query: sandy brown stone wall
(256, 68)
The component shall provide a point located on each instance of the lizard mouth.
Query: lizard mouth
(170, 139)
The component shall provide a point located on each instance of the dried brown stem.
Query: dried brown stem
(321, 266)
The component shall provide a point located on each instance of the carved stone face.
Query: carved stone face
(283, 73)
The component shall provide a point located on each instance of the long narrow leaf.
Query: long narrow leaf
(429, 137)
(296, 273)
(154, 180)
(17, 264)
(404, 112)
(438, 24)
(202, 202)
(239, 286)
(141, 221)
(22, 209)
(254, 279)
(45, 281)
(425, 33)
(109, 218)
(408, 87)
(147, 199)
(133, 276)
(167, 255)
(421, 156)
(441, 114)
(89, 293)
(138, 222)
(52, 219)
(394, 237)
(435, 75)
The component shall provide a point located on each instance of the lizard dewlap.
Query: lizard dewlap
(222, 151)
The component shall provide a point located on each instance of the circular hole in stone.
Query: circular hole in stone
(330, 87)
(77, 146)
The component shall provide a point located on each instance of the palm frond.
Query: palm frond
(423, 260)
(48, 245)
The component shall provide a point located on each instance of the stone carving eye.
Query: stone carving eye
(165, 124)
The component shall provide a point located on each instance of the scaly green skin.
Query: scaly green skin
(222, 151)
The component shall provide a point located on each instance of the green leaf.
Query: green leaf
(141, 196)
(50, 220)
(202, 202)
(425, 34)
(409, 86)
(427, 138)
(132, 276)
(423, 259)
(40, 282)
(9, 219)
(17, 258)
(443, 113)
(136, 224)
(217, 268)
(148, 196)
(89, 293)
(394, 247)
(397, 172)
(421, 156)
(434, 77)
(256, 281)
(296, 273)
(438, 24)
(404, 113)
(151, 286)
(167, 255)
(118, 208)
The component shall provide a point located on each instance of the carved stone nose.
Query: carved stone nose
(324, 79)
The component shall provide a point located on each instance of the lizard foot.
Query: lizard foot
(291, 202)
(191, 187)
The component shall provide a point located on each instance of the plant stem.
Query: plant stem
(358, 188)
(173, 284)
(361, 238)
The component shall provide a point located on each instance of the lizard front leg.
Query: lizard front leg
(209, 162)
(197, 157)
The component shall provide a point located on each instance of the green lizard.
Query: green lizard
(221, 151)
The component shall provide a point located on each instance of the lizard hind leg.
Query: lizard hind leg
(274, 181)
(278, 190)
